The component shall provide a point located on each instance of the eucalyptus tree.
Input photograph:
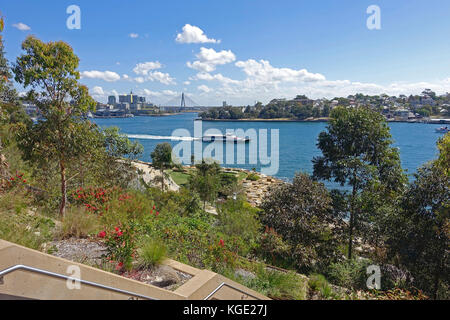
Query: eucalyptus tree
(420, 238)
(357, 152)
(162, 159)
(50, 72)
(206, 181)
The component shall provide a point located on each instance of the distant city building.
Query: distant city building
(224, 104)
(112, 100)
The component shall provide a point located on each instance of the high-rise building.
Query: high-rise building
(112, 100)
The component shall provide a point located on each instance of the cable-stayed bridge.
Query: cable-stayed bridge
(181, 102)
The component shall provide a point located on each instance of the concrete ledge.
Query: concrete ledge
(23, 284)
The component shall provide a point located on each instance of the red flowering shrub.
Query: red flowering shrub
(120, 245)
(14, 181)
(220, 257)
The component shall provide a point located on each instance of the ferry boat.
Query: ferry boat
(442, 129)
(224, 138)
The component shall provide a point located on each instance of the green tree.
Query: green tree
(162, 159)
(206, 181)
(419, 236)
(356, 151)
(301, 213)
(50, 69)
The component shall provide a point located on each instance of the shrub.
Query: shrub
(78, 223)
(253, 177)
(274, 249)
(319, 283)
(20, 225)
(239, 220)
(349, 273)
(120, 245)
(277, 285)
(301, 214)
(151, 253)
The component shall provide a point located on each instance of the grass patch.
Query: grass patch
(78, 223)
(319, 283)
(152, 253)
(20, 225)
(276, 285)
(180, 178)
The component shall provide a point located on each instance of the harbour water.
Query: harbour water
(297, 140)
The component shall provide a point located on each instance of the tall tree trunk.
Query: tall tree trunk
(62, 208)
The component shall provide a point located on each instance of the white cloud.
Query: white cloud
(204, 88)
(216, 77)
(145, 67)
(109, 76)
(186, 83)
(193, 34)
(145, 70)
(264, 82)
(97, 91)
(263, 71)
(133, 35)
(21, 26)
(164, 78)
(209, 59)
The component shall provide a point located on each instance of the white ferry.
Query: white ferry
(224, 138)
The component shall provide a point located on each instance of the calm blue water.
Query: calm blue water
(297, 140)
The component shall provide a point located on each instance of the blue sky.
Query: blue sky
(243, 51)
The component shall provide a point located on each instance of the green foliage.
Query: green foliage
(252, 177)
(239, 221)
(419, 237)
(277, 285)
(19, 224)
(349, 273)
(121, 245)
(50, 69)
(443, 161)
(319, 283)
(162, 159)
(356, 151)
(117, 145)
(206, 181)
(301, 213)
(274, 249)
(151, 253)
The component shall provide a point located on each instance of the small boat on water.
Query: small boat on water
(224, 138)
(442, 129)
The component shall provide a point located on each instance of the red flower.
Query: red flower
(119, 233)
(151, 211)
(154, 207)
(102, 234)
(157, 213)
(12, 179)
(24, 180)
(117, 229)
(221, 243)
(119, 266)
